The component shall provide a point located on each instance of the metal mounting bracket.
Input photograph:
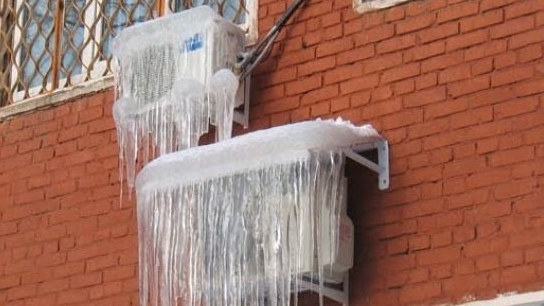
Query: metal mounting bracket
(242, 116)
(381, 168)
(338, 295)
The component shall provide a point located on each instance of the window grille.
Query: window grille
(55, 44)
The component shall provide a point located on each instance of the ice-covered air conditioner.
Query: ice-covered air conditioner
(174, 78)
(253, 219)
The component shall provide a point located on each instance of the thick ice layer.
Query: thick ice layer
(172, 81)
(253, 150)
(192, 44)
(241, 221)
(175, 122)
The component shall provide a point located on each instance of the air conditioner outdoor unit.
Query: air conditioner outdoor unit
(192, 44)
(174, 77)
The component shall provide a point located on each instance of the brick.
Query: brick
(326, 20)
(406, 149)
(441, 62)
(515, 188)
(59, 189)
(339, 104)
(358, 54)
(420, 292)
(280, 76)
(414, 23)
(482, 66)
(118, 273)
(439, 255)
(475, 84)
(465, 166)
(526, 38)
(481, 21)
(374, 35)
(529, 87)
(21, 292)
(382, 62)
(423, 208)
(382, 93)
(511, 156)
(466, 40)
(441, 140)
(523, 8)
(464, 150)
(515, 107)
(512, 27)
(358, 84)
(464, 234)
(534, 136)
(396, 43)
(296, 57)
(382, 108)
(303, 85)
(534, 254)
(492, 4)
(333, 47)
(438, 32)
(397, 246)
(472, 117)
(486, 49)
(427, 128)
(488, 177)
(312, 38)
(320, 109)
(342, 73)
(517, 275)
(530, 53)
(453, 12)
(425, 51)
(90, 114)
(419, 243)
(399, 73)
(320, 94)
(461, 285)
(71, 296)
(511, 76)
(456, 73)
(10, 281)
(403, 118)
(53, 286)
(511, 258)
(85, 280)
(317, 65)
(426, 80)
(441, 239)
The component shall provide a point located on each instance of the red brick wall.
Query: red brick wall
(457, 88)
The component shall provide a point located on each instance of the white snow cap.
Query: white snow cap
(277, 145)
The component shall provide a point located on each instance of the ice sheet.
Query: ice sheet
(241, 221)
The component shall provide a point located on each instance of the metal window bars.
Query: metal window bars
(49, 45)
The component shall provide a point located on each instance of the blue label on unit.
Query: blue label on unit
(193, 43)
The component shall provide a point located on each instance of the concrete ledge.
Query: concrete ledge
(363, 6)
(56, 97)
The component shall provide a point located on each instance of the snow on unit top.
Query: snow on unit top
(172, 80)
(243, 221)
(254, 150)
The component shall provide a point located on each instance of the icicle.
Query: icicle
(175, 122)
(243, 221)
(172, 80)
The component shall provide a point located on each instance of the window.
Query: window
(55, 44)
